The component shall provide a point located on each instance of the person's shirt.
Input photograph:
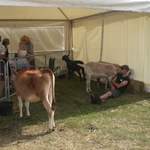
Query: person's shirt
(26, 46)
(29, 48)
(22, 63)
(22, 53)
(21, 60)
(3, 51)
(119, 79)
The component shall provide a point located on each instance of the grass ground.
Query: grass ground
(120, 124)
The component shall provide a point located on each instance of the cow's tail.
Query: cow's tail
(53, 92)
(52, 87)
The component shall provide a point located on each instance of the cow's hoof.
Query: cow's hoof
(51, 130)
(89, 91)
(28, 118)
(19, 118)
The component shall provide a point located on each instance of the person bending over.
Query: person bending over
(119, 85)
(25, 45)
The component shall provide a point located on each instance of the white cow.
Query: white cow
(99, 70)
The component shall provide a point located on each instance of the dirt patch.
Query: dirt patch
(36, 138)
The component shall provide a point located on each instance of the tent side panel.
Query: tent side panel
(87, 39)
(124, 42)
(146, 64)
(45, 35)
(136, 46)
(115, 40)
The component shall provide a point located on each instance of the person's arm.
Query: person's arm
(30, 49)
(113, 81)
(119, 85)
(1, 56)
(6, 54)
(2, 52)
(114, 77)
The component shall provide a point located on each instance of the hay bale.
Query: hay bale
(136, 87)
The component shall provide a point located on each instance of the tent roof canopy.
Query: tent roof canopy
(41, 13)
(66, 9)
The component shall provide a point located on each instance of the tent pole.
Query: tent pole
(69, 31)
(70, 38)
(62, 12)
(102, 41)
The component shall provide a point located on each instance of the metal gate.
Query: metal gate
(41, 60)
(4, 69)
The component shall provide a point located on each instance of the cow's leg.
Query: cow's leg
(48, 108)
(53, 110)
(83, 73)
(79, 73)
(20, 106)
(52, 117)
(27, 105)
(88, 84)
(69, 73)
(52, 122)
(106, 83)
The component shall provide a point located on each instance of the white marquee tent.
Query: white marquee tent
(108, 30)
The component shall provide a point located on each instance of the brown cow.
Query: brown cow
(34, 85)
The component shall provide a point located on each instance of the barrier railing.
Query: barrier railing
(4, 69)
(41, 60)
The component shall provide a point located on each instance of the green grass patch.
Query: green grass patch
(120, 123)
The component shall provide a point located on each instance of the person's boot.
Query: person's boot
(95, 99)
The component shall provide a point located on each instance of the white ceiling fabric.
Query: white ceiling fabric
(122, 5)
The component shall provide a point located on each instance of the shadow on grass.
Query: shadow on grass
(72, 101)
